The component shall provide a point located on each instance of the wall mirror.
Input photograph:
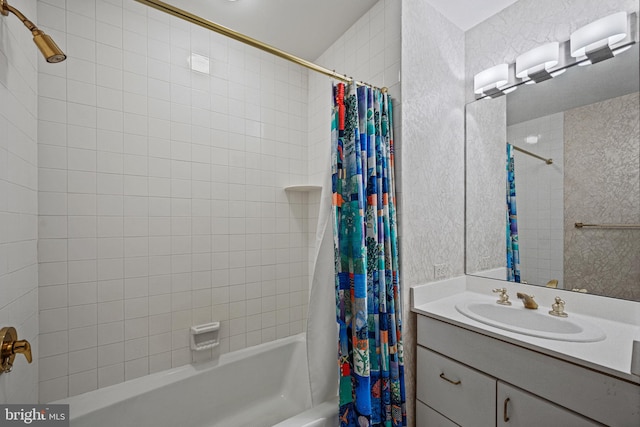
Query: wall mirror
(587, 122)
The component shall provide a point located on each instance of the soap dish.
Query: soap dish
(205, 336)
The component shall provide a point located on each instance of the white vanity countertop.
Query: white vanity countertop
(620, 320)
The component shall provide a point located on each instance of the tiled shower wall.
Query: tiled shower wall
(369, 51)
(19, 199)
(161, 195)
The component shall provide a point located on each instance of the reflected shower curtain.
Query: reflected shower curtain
(513, 249)
(368, 303)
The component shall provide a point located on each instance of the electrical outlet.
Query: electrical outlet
(440, 271)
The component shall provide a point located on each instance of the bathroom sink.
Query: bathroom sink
(536, 323)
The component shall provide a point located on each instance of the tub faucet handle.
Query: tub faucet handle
(503, 298)
(10, 345)
(23, 346)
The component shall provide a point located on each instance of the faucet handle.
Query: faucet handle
(557, 308)
(23, 346)
(503, 298)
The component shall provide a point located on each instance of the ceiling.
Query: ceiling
(469, 13)
(306, 28)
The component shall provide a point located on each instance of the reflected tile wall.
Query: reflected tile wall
(540, 189)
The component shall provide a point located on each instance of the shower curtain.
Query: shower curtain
(368, 303)
(513, 249)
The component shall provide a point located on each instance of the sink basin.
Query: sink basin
(536, 323)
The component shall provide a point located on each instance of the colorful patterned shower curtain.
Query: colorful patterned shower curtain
(368, 303)
(513, 249)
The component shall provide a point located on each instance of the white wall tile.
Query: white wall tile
(146, 204)
(83, 382)
(19, 193)
(83, 360)
(110, 375)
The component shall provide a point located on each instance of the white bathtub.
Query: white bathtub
(261, 386)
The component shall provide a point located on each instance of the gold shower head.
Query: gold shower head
(48, 47)
(50, 50)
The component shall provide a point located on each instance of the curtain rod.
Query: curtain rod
(547, 161)
(225, 31)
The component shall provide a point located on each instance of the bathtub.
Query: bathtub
(262, 386)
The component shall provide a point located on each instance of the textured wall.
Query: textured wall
(602, 176)
(486, 124)
(19, 59)
(431, 156)
(161, 195)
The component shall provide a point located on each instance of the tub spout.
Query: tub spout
(527, 300)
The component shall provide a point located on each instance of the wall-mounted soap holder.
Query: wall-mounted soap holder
(205, 336)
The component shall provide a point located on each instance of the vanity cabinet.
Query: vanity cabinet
(455, 394)
(469, 379)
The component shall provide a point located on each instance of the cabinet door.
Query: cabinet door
(518, 408)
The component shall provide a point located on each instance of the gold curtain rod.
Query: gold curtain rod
(547, 161)
(622, 226)
(225, 31)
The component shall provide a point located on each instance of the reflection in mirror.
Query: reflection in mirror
(587, 121)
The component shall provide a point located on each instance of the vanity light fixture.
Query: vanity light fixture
(594, 42)
(534, 65)
(492, 81)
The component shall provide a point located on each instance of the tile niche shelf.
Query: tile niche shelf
(302, 188)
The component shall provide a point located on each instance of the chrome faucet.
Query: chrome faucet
(528, 301)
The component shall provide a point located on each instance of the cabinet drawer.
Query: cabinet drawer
(464, 395)
(425, 416)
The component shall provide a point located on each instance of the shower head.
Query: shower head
(50, 50)
(48, 47)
